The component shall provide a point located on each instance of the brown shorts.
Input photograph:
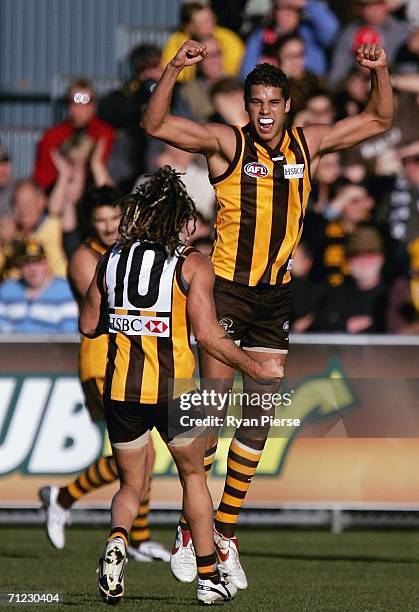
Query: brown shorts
(257, 318)
(127, 421)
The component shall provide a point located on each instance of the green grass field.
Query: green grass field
(288, 570)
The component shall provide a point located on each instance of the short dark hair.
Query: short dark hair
(226, 85)
(285, 39)
(266, 74)
(144, 56)
(96, 197)
(188, 10)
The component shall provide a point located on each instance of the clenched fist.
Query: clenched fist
(190, 53)
(371, 56)
(269, 372)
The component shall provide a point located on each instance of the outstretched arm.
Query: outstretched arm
(375, 119)
(178, 131)
(209, 333)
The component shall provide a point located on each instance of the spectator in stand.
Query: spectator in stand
(38, 302)
(319, 108)
(31, 221)
(122, 108)
(303, 83)
(403, 304)
(398, 211)
(82, 125)
(209, 72)
(307, 294)
(6, 184)
(352, 98)
(407, 58)
(198, 22)
(374, 24)
(227, 97)
(328, 175)
(378, 155)
(328, 237)
(229, 13)
(194, 175)
(72, 183)
(359, 304)
(312, 20)
(329, 171)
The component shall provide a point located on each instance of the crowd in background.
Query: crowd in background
(357, 267)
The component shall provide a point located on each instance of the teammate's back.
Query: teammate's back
(149, 331)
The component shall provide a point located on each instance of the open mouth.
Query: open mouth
(265, 124)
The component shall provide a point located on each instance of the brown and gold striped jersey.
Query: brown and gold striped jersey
(262, 198)
(149, 330)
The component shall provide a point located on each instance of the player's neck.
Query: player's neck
(269, 144)
(276, 140)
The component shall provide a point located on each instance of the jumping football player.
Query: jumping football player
(262, 179)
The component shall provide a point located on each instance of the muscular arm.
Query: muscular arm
(209, 334)
(81, 270)
(375, 119)
(90, 310)
(188, 135)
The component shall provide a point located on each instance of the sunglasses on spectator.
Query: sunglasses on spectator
(81, 97)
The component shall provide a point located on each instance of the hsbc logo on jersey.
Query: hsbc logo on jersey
(256, 170)
(293, 171)
(131, 325)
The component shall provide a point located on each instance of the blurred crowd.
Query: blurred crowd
(357, 267)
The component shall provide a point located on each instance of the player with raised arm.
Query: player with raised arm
(147, 292)
(261, 177)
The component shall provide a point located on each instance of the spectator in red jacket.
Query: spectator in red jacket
(82, 125)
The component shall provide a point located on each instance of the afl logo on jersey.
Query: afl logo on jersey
(256, 170)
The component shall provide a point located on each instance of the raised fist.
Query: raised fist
(371, 56)
(190, 53)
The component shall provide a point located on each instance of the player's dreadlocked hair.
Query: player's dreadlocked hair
(158, 211)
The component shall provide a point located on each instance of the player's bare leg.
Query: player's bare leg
(142, 547)
(215, 375)
(58, 502)
(198, 510)
(134, 473)
(244, 455)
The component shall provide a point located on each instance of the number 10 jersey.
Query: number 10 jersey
(149, 354)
